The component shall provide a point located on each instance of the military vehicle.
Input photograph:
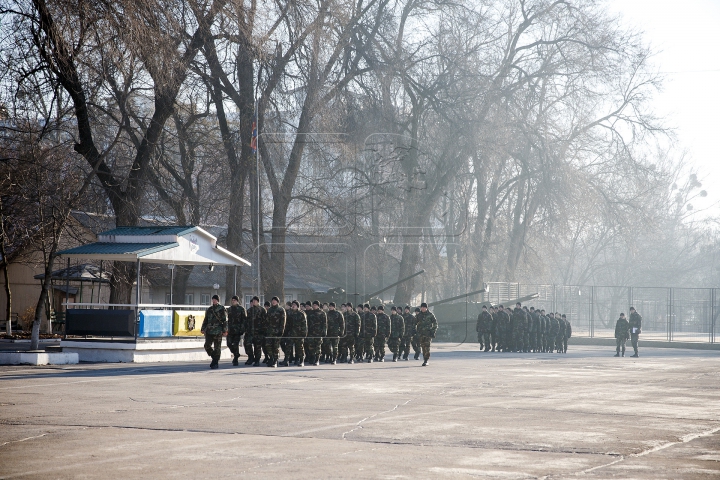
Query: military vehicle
(338, 294)
(460, 318)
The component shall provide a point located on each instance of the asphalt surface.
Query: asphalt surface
(583, 415)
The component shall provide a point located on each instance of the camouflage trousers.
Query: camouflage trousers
(368, 344)
(332, 345)
(620, 344)
(481, 339)
(272, 347)
(313, 345)
(416, 343)
(526, 341)
(233, 343)
(259, 346)
(559, 343)
(359, 346)
(248, 345)
(325, 348)
(405, 345)
(347, 346)
(394, 345)
(293, 345)
(486, 340)
(380, 341)
(213, 345)
(425, 342)
(517, 341)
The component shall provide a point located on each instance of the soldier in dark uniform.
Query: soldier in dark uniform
(214, 327)
(493, 328)
(317, 329)
(275, 327)
(409, 322)
(568, 332)
(426, 326)
(533, 330)
(254, 325)
(560, 333)
(236, 327)
(484, 324)
(383, 333)
(352, 330)
(296, 330)
(517, 321)
(553, 331)
(635, 329)
(336, 330)
(416, 337)
(397, 331)
(622, 333)
(369, 330)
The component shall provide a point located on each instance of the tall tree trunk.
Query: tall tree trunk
(6, 277)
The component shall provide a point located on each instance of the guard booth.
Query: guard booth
(143, 332)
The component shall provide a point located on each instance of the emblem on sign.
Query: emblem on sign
(194, 247)
(190, 323)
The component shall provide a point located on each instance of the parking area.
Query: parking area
(585, 414)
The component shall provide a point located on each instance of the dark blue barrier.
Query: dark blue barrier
(101, 323)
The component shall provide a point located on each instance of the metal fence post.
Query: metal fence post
(592, 311)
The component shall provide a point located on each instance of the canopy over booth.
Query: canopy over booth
(171, 245)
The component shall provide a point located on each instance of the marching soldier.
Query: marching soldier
(560, 333)
(296, 330)
(426, 326)
(336, 329)
(416, 337)
(214, 327)
(254, 332)
(369, 330)
(484, 323)
(275, 327)
(568, 333)
(410, 331)
(397, 331)
(553, 331)
(383, 333)
(317, 329)
(352, 330)
(518, 324)
(493, 328)
(236, 327)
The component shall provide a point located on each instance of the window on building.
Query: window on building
(247, 301)
(189, 299)
(205, 299)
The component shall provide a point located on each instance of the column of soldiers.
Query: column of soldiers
(315, 333)
(522, 330)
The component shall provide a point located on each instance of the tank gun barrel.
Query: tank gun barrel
(439, 302)
(394, 284)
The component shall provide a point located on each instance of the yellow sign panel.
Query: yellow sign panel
(187, 323)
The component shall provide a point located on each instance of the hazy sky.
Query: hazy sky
(686, 35)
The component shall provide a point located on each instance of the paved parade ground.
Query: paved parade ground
(585, 414)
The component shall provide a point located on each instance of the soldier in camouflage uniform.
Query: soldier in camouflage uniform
(533, 330)
(409, 322)
(214, 327)
(426, 326)
(253, 339)
(560, 333)
(336, 330)
(275, 327)
(296, 330)
(416, 337)
(384, 330)
(484, 324)
(517, 320)
(542, 330)
(622, 333)
(317, 329)
(635, 329)
(369, 330)
(568, 333)
(236, 327)
(397, 331)
(352, 330)
(553, 331)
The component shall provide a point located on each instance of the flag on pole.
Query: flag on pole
(253, 140)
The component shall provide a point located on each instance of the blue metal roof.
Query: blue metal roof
(101, 248)
(157, 230)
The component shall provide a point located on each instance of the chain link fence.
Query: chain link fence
(669, 314)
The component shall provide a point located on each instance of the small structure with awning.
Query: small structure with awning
(171, 245)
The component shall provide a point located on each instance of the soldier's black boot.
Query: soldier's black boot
(235, 360)
(300, 362)
(427, 359)
(256, 363)
(369, 360)
(333, 360)
(417, 355)
(285, 362)
(617, 353)
(316, 361)
(623, 352)
(214, 363)
(273, 363)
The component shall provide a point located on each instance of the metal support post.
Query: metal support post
(137, 298)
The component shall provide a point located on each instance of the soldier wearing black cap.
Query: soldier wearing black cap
(397, 331)
(236, 327)
(274, 330)
(427, 326)
(317, 329)
(254, 332)
(635, 329)
(368, 332)
(383, 333)
(296, 330)
(416, 337)
(484, 324)
(214, 327)
(336, 329)
(352, 330)
(409, 324)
